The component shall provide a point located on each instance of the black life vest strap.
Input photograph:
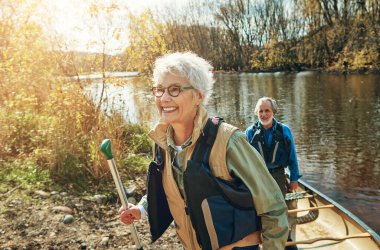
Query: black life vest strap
(205, 142)
(158, 205)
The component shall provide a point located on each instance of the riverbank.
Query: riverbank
(333, 70)
(49, 219)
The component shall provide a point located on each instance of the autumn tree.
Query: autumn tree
(47, 122)
(146, 41)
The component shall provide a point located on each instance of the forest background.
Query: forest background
(50, 130)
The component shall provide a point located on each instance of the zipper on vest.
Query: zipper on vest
(193, 242)
(189, 225)
(189, 230)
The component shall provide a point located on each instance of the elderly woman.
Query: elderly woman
(182, 82)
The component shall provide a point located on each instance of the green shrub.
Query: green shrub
(25, 173)
(136, 138)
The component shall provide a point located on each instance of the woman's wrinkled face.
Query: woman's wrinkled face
(179, 109)
(265, 113)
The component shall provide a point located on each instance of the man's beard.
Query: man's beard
(266, 122)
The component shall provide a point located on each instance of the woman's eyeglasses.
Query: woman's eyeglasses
(173, 90)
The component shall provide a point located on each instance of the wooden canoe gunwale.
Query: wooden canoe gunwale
(340, 210)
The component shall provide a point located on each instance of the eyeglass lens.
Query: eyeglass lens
(172, 90)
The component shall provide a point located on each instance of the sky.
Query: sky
(69, 20)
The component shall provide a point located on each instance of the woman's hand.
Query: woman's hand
(127, 216)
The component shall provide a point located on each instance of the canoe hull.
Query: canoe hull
(336, 222)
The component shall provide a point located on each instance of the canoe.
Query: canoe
(318, 222)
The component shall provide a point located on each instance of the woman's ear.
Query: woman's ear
(199, 97)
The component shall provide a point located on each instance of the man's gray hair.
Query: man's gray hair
(264, 99)
(195, 69)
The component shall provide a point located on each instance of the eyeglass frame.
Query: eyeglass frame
(181, 88)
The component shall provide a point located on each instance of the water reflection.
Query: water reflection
(335, 121)
(128, 96)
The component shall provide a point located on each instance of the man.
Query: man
(274, 141)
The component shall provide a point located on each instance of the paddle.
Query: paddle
(105, 147)
(311, 241)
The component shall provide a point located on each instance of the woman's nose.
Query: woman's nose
(165, 96)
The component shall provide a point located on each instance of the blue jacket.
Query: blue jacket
(284, 154)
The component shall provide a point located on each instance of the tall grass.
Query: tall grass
(50, 131)
(62, 134)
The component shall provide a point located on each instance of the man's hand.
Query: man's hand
(128, 216)
(293, 186)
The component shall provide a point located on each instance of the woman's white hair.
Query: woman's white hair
(195, 69)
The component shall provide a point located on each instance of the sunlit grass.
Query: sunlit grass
(23, 173)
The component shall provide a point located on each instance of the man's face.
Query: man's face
(265, 114)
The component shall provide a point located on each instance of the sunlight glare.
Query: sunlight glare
(71, 22)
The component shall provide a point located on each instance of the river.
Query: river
(335, 121)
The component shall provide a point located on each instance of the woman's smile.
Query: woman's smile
(168, 109)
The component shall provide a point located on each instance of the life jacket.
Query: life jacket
(278, 152)
(221, 212)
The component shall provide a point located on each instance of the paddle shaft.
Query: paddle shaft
(293, 211)
(123, 198)
(105, 147)
(311, 241)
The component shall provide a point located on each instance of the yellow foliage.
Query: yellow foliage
(45, 118)
(146, 42)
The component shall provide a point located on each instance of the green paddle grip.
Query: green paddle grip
(105, 147)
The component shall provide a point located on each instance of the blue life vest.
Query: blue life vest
(221, 212)
(278, 152)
